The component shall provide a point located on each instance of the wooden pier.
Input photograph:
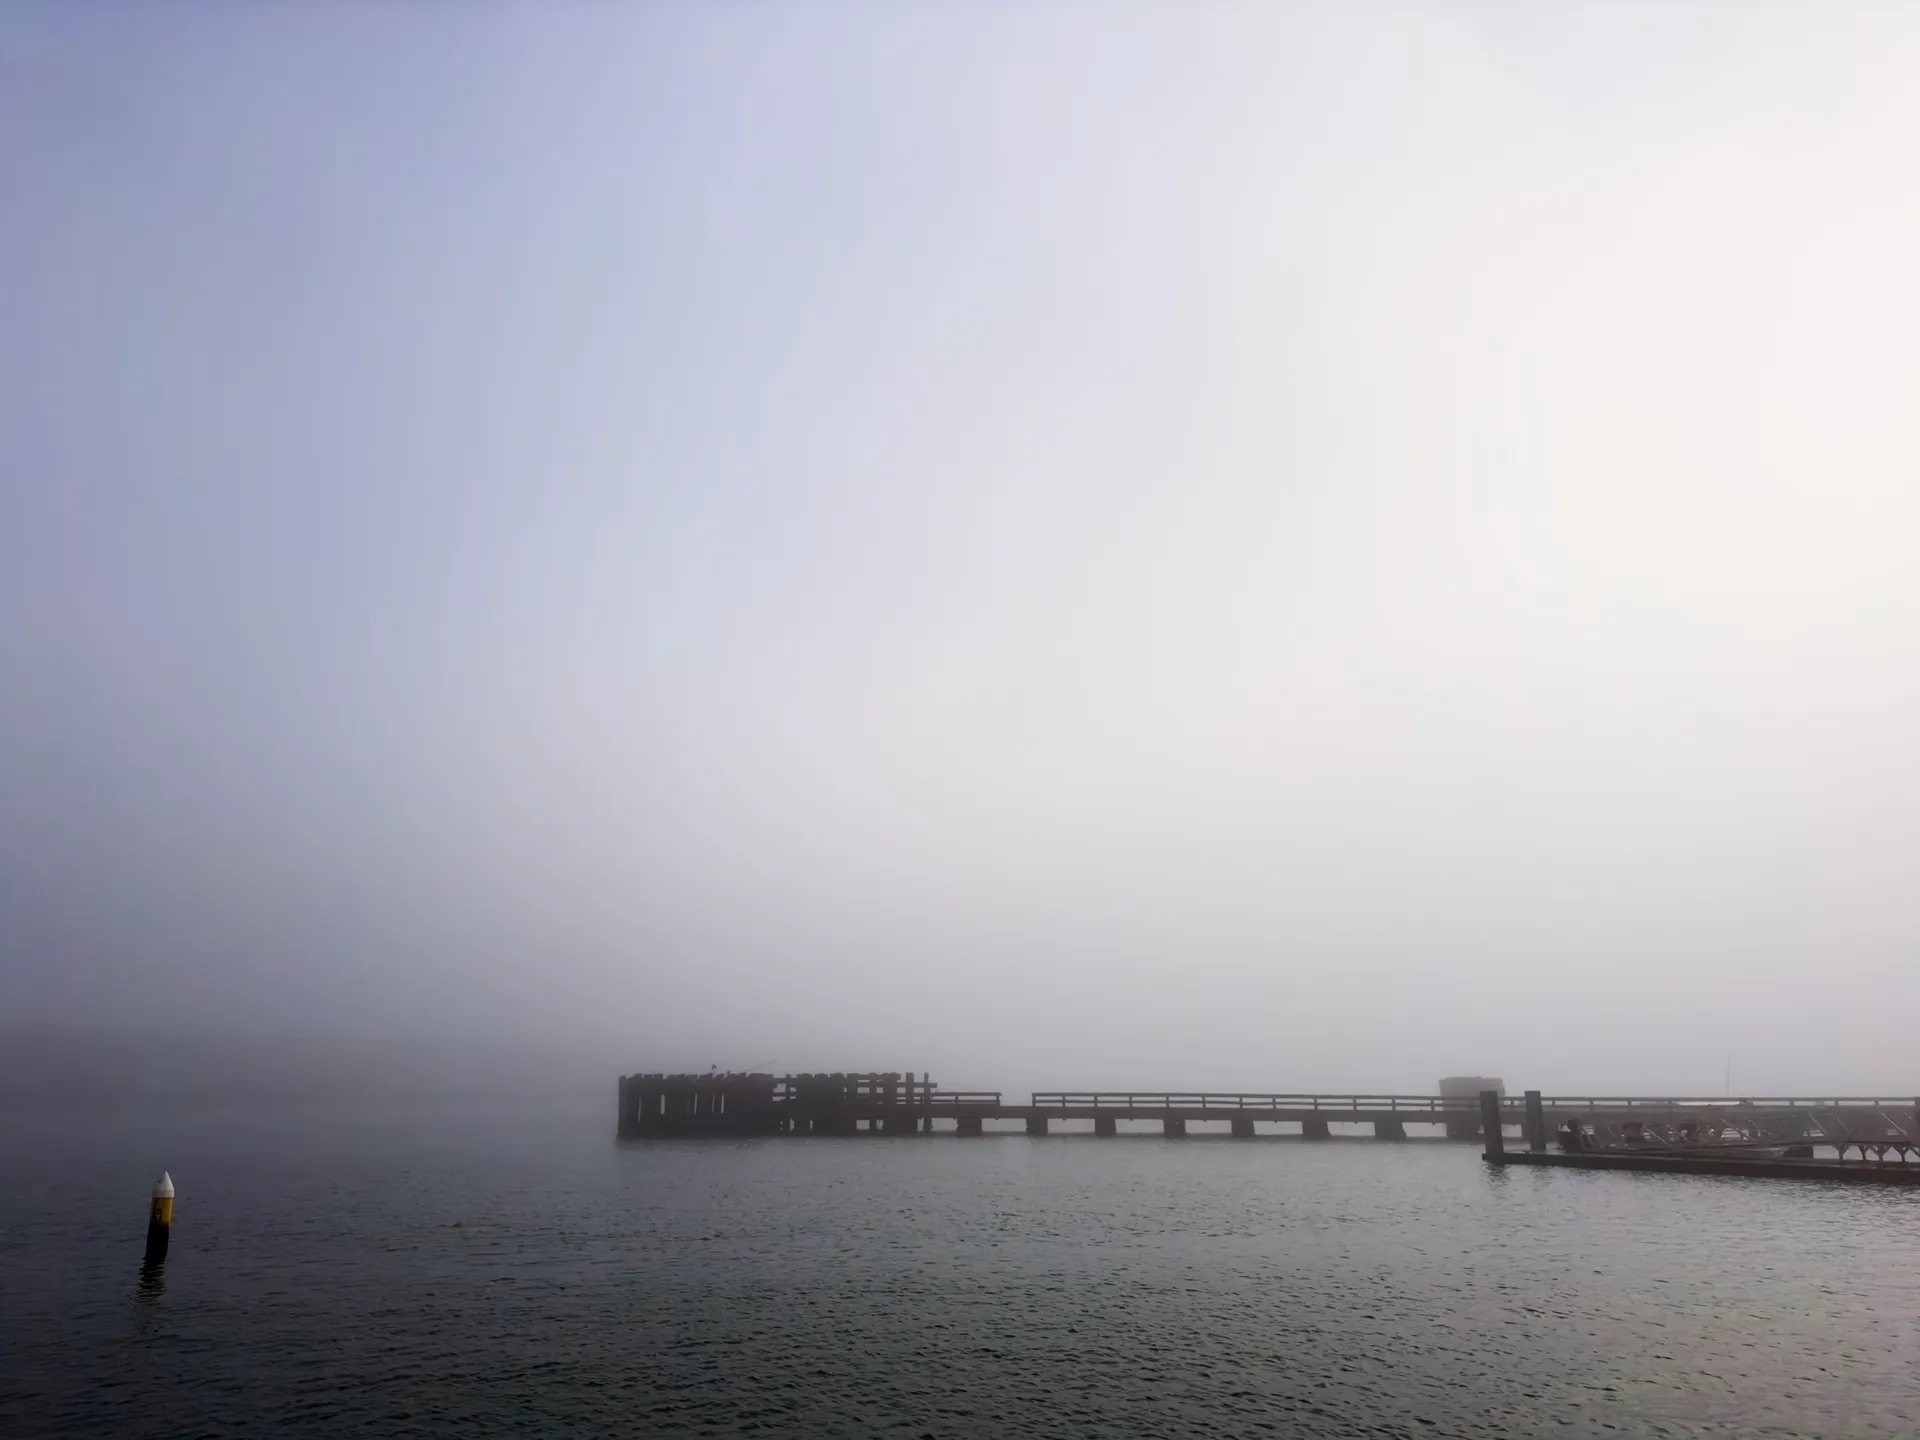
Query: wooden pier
(900, 1103)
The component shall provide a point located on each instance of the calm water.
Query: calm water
(468, 1274)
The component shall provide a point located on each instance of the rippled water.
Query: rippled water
(480, 1274)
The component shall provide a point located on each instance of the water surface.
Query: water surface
(443, 1272)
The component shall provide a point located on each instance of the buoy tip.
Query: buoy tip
(163, 1187)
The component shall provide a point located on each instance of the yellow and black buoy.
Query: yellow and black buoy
(160, 1218)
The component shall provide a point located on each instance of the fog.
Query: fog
(1191, 545)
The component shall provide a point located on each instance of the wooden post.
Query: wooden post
(1536, 1123)
(1490, 1125)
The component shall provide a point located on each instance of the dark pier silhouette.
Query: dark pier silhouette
(900, 1103)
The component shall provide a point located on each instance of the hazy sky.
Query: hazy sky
(1271, 546)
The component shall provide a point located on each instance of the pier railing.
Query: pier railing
(1715, 1102)
(1445, 1107)
(1454, 1107)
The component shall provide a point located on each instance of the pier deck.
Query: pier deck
(1753, 1167)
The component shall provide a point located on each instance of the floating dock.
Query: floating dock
(1868, 1172)
(1887, 1138)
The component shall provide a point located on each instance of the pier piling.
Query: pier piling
(1490, 1124)
(1536, 1123)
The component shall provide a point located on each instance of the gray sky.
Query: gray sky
(1204, 545)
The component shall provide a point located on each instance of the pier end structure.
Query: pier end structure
(716, 1103)
(723, 1103)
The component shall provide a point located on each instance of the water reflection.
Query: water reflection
(153, 1280)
